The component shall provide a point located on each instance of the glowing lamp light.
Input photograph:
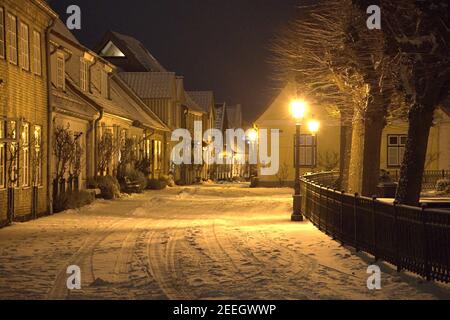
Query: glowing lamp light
(252, 135)
(298, 109)
(314, 126)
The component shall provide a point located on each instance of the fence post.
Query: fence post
(426, 257)
(327, 209)
(320, 206)
(355, 213)
(396, 238)
(374, 227)
(342, 217)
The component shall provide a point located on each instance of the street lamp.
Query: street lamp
(298, 111)
(314, 126)
(252, 138)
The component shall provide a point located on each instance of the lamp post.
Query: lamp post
(314, 126)
(252, 138)
(298, 110)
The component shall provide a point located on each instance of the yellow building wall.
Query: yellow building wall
(278, 116)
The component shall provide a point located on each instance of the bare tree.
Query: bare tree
(338, 63)
(419, 45)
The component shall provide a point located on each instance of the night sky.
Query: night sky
(216, 45)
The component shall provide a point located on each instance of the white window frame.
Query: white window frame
(2, 34)
(395, 148)
(26, 154)
(12, 38)
(308, 151)
(83, 74)
(60, 71)
(37, 53)
(24, 46)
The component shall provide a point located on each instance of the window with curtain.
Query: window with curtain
(38, 154)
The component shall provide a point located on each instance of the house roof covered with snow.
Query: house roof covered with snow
(205, 99)
(128, 53)
(151, 85)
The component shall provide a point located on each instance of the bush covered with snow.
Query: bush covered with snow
(156, 184)
(72, 200)
(134, 177)
(170, 182)
(443, 185)
(109, 186)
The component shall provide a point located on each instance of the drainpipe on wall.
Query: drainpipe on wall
(49, 118)
(96, 127)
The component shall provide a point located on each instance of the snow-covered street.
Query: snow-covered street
(208, 242)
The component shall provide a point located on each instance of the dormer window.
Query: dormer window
(111, 51)
(83, 74)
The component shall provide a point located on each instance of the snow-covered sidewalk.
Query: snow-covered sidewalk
(209, 242)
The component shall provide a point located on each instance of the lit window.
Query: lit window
(2, 33)
(60, 71)
(157, 152)
(83, 74)
(12, 38)
(396, 149)
(24, 46)
(26, 154)
(37, 53)
(37, 163)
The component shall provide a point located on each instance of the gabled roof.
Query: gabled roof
(151, 85)
(205, 99)
(191, 104)
(221, 113)
(61, 29)
(234, 116)
(133, 50)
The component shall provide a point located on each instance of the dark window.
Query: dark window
(396, 149)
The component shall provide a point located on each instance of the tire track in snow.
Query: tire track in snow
(161, 260)
(82, 258)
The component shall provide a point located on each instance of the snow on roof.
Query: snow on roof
(151, 85)
(205, 99)
(140, 52)
(234, 116)
(61, 29)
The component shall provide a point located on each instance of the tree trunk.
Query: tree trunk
(345, 153)
(372, 152)
(411, 173)
(356, 157)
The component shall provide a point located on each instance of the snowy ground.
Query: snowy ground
(209, 242)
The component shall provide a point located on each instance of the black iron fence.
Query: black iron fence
(411, 238)
(430, 178)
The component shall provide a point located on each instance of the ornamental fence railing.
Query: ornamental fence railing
(411, 238)
(430, 178)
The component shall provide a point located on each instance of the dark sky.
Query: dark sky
(216, 45)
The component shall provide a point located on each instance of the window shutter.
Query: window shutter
(2, 33)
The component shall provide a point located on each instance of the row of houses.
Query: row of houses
(51, 84)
